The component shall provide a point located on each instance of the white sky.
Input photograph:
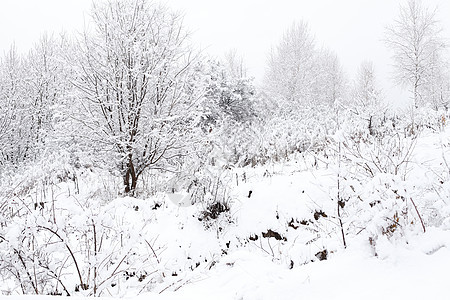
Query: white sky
(351, 28)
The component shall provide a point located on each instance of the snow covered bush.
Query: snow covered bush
(230, 121)
(53, 234)
(377, 170)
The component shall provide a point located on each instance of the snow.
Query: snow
(417, 270)
(412, 267)
(133, 168)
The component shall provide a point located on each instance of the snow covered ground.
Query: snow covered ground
(417, 270)
(269, 245)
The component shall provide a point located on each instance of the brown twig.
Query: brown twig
(82, 285)
(417, 211)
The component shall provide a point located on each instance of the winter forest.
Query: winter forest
(134, 164)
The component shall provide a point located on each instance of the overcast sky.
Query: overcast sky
(351, 28)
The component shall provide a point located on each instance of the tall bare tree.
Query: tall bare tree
(366, 92)
(290, 66)
(330, 80)
(415, 40)
(235, 65)
(300, 75)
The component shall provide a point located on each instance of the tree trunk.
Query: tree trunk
(130, 178)
(126, 181)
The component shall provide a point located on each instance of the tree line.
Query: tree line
(133, 93)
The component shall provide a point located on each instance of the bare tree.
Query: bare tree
(415, 39)
(14, 113)
(437, 90)
(234, 64)
(30, 88)
(330, 80)
(137, 93)
(300, 75)
(366, 92)
(290, 65)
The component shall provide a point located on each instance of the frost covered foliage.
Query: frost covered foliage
(217, 138)
(230, 120)
(304, 130)
(380, 161)
(230, 134)
(30, 87)
(59, 236)
(228, 95)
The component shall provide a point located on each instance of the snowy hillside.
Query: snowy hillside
(283, 240)
(134, 165)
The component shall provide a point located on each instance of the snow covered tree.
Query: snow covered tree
(415, 40)
(229, 112)
(30, 87)
(47, 86)
(302, 83)
(15, 139)
(437, 89)
(366, 93)
(235, 64)
(330, 82)
(136, 87)
(366, 98)
(290, 65)
(228, 95)
(300, 75)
